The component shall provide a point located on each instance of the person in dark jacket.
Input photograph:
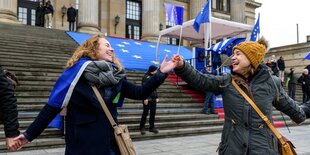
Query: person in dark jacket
(71, 15)
(149, 104)
(292, 82)
(304, 80)
(8, 112)
(88, 130)
(48, 14)
(244, 131)
(274, 66)
(40, 15)
(281, 66)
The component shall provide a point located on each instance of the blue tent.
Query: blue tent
(134, 54)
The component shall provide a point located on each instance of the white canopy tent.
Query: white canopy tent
(219, 28)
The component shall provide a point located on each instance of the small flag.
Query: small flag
(174, 13)
(256, 30)
(203, 16)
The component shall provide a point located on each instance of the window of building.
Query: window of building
(133, 19)
(221, 5)
(33, 17)
(22, 15)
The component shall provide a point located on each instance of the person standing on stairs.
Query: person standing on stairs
(88, 130)
(149, 104)
(8, 111)
(244, 131)
(209, 96)
(49, 12)
(291, 83)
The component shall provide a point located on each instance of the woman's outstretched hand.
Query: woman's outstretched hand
(167, 66)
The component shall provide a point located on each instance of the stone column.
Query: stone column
(88, 17)
(8, 11)
(195, 7)
(237, 11)
(150, 19)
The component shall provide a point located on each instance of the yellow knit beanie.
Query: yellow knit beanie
(254, 51)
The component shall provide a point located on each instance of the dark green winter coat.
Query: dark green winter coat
(244, 131)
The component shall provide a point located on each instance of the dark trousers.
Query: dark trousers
(305, 96)
(291, 90)
(71, 26)
(152, 107)
(209, 99)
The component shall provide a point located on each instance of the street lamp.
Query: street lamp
(116, 20)
(63, 13)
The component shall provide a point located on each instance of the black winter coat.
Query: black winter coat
(88, 130)
(281, 65)
(8, 107)
(71, 14)
(305, 82)
(154, 94)
(40, 16)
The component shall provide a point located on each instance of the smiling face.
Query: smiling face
(106, 52)
(240, 62)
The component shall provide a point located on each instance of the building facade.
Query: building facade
(293, 55)
(134, 19)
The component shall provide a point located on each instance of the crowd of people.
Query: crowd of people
(88, 130)
(45, 13)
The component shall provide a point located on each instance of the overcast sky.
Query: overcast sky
(278, 19)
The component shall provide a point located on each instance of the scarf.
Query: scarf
(103, 73)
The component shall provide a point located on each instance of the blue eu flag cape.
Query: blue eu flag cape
(64, 86)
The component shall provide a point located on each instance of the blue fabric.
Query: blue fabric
(203, 16)
(174, 13)
(255, 31)
(169, 9)
(307, 57)
(200, 58)
(136, 55)
(178, 15)
(63, 83)
(226, 46)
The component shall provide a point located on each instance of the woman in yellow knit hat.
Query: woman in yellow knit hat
(244, 131)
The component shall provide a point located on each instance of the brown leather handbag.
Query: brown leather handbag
(121, 133)
(286, 147)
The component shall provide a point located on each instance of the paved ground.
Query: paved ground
(192, 145)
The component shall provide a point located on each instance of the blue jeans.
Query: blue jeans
(209, 99)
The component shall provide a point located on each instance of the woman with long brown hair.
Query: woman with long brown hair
(88, 130)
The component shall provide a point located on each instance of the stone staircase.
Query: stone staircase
(38, 55)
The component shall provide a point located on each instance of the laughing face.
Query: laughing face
(106, 52)
(240, 62)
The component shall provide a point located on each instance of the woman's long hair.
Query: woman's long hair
(89, 49)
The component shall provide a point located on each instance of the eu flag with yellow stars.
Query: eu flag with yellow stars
(255, 31)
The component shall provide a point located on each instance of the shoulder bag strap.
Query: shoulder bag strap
(251, 102)
(104, 106)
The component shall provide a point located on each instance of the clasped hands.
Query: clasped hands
(15, 143)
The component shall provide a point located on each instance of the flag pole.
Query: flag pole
(210, 32)
(181, 32)
(157, 50)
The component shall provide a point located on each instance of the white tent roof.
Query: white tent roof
(219, 28)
